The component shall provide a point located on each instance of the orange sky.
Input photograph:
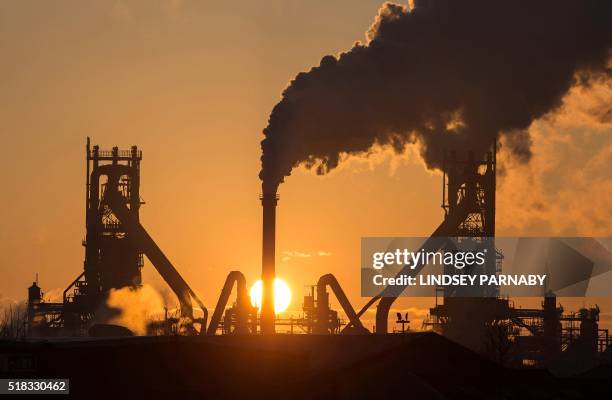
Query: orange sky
(192, 83)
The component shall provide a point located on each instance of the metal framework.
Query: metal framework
(115, 244)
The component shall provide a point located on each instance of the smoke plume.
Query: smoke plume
(447, 75)
(565, 188)
(131, 308)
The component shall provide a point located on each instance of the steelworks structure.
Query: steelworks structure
(489, 324)
(116, 243)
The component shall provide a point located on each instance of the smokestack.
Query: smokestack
(268, 201)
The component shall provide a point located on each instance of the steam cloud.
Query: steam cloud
(448, 75)
(131, 308)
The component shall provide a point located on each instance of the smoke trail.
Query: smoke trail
(446, 74)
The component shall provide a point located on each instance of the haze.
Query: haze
(192, 84)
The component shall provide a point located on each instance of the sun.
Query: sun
(282, 295)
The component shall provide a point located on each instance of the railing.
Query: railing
(112, 226)
(120, 154)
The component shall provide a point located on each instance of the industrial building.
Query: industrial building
(116, 243)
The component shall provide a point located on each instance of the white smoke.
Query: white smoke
(132, 308)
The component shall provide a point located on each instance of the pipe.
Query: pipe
(204, 320)
(242, 303)
(116, 202)
(268, 201)
(150, 248)
(331, 281)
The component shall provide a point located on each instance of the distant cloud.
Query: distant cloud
(288, 255)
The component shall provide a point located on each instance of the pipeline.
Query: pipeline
(331, 281)
(241, 299)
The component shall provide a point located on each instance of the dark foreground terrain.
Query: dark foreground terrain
(417, 366)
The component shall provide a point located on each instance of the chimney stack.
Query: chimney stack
(269, 200)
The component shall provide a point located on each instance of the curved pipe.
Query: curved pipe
(242, 301)
(331, 281)
(204, 320)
